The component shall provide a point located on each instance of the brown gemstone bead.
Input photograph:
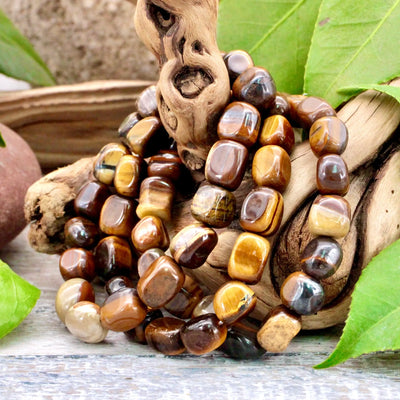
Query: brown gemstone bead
(277, 131)
(204, 306)
(312, 108)
(329, 216)
(255, 86)
(161, 282)
(106, 162)
(137, 334)
(128, 174)
(81, 232)
(240, 122)
(122, 311)
(128, 123)
(150, 233)
(185, 300)
(272, 167)
(248, 258)
(191, 246)
(332, 175)
(77, 263)
(90, 199)
(156, 197)
(237, 61)
(147, 258)
(262, 211)
(226, 164)
(302, 293)
(321, 258)
(233, 301)
(118, 216)
(147, 102)
(328, 135)
(203, 334)
(117, 283)
(164, 335)
(113, 257)
(166, 164)
(214, 206)
(294, 100)
(71, 292)
(280, 106)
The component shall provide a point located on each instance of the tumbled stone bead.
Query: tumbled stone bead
(106, 162)
(329, 216)
(248, 258)
(203, 334)
(113, 257)
(262, 211)
(156, 197)
(214, 206)
(128, 123)
(77, 263)
(71, 292)
(137, 334)
(277, 131)
(332, 175)
(191, 246)
(185, 300)
(83, 321)
(236, 62)
(128, 174)
(117, 283)
(147, 102)
(164, 335)
(204, 306)
(302, 293)
(122, 310)
(233, 301)
(272, 167)
(240, 122)
(328, 135)
(321, 258)
(312, 108)
(147, 258)
(281, 326)
(255, 86)
(161, 282)
(294, 100)
(280, 106)
(226, 164)
(118, 216)
(167, 164)
(81, 232)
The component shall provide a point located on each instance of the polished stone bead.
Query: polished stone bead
(294, 100)
(277, 131)
(122, 310)
(81, 232)
(117, 283)
(236, 62)
(255, 86)
(128, 123)
(128, 175)
(226, 164)
(280, 106)
(71, 292)
(191, 246)
(137, 334)
(113, 257)
(302, 294)
(156, 198)
(262, 211)
(332, 175)
(312, 108)
(329, 216)
(233, 300)
(167, 164)
(248, 258)
(77, 263)
(272, 167)
(203, 334)
(321, 258)
(185, 300)
(147, 258)
(281, 326)
(107, 160)
(328, 135)
(83, 321)
(161, 282)
(240, 122)
(147, 102)
(118, 216)
(204, 306)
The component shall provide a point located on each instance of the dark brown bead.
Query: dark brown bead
(277, 131)
(81, 232)
(164, 335)
(77, 263)
(332, 175)
(280, 106)
(117, 283)
(147, 258)
(226, 164)
(161, 282)
(203, 334)
(237, 61)
(166, 164)
(191, 246)
(128, 174)
(137, 334)
(128, 123)
(312, 108)
(294, 100)
(302, 294)
(147, 102)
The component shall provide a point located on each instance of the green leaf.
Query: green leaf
(18, 58)
(17, 299)
(373, 323)
(353, 43)
(393, 91)
(2, 142)
(276, 33)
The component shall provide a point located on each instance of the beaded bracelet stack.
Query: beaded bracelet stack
(124, 243)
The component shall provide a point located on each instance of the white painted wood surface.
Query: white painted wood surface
(41, 360)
